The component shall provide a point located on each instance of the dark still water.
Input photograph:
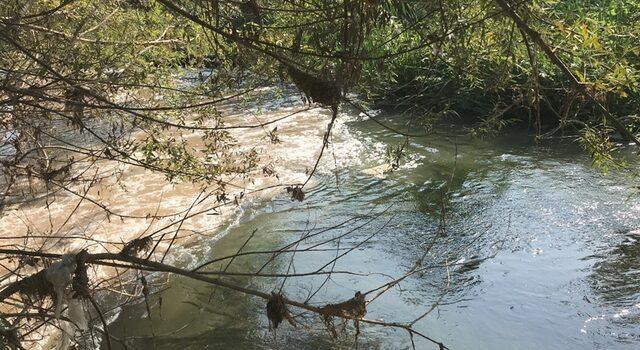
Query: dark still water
(562, 243)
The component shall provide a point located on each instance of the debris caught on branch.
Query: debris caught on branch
(268, 170)
(222, 197)
(145, 293)
(296, 193)
(77, 315)
(35, 286)
(354, 308)
(59, 274)
(136, 246)
(273, 135)
(80, 282)
(54, 174)
(28, 261)
(67, 330)
(325, 92)
(277, 311)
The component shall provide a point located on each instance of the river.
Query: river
(544, 251)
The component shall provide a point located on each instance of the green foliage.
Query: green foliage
(490, 126)
(129, 63)
(474, 61)
(479, 58)
(604, 153)
(108, 69)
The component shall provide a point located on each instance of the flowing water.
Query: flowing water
(562, 243)
(539, 249)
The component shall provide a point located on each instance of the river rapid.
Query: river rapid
(541, 250)
(544, 250)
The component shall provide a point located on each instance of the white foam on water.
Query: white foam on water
(145, 194)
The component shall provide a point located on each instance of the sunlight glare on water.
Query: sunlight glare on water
(564, 240)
